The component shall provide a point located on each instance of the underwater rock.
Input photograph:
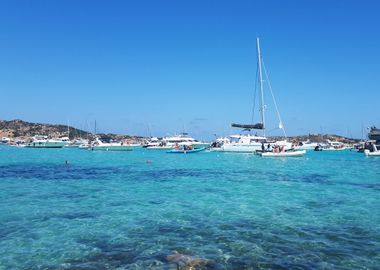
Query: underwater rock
(187, 262)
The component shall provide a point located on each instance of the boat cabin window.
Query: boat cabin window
(106, 140)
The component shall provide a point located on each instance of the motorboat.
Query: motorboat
(107, 144)
(155, 143)
(184, 139)
(372, 154)
(39, 141)
(290, 153)
(186, 150)
(5, 140)
(335, 146)
(217, 145)
(306, 145)
(77, 143)
(371, 149)
(171, 142)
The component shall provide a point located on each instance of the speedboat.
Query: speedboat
(77, 143)
(372, 154)
(335, 146)
(107, 144)
(185, 150)
(290, 153)
(331, 146)
(184, 139)
(156, 143)
(171, 142)
(5, 140)
(306, 145)
(371, 149)
(218, 144)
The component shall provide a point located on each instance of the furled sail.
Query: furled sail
(249, 126)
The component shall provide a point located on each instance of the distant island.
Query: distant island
(22, 129)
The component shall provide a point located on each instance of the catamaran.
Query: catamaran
(252, 143)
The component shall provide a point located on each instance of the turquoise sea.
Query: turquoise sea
(146, 209)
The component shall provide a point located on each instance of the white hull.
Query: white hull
(240, 148)
(335, 149)
(216, 149)
(372, 154)
(306, 147)
(46, 144)
(298, 153)
(252, 147)
(84, 146)
(173, 145)
(134, 145)
(159, 147)
(111, 148)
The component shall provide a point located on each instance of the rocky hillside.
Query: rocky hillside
(319, 138)
(19, 128)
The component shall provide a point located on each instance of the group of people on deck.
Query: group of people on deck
(275, 148)
(183, 147)
(278, 148)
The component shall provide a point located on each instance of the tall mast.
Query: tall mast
(261, 85)
(68, 129)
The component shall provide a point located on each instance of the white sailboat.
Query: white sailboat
(249, 143)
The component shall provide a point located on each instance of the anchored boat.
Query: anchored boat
(184, 151)
(39, 141)
(290, 153)
(106, 144)
(182, 139)
(371, 150)
(250, 143)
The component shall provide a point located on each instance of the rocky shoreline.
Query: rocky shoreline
(23, 130)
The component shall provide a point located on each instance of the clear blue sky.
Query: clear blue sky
(171, 64)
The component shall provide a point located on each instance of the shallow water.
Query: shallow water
(130, 210)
